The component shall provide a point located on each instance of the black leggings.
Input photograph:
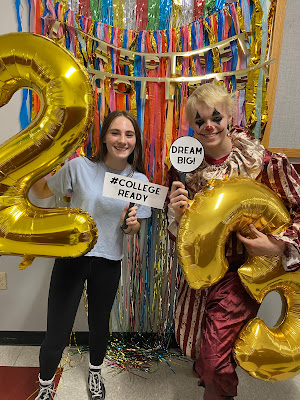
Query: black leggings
(66, 287)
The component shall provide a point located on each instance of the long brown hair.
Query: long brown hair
(135, 159)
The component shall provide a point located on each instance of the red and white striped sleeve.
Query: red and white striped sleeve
(280, 175)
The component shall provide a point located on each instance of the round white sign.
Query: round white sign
(186, 154)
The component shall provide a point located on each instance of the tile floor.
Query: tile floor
(163, 384)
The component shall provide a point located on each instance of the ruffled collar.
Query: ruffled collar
(245, 159)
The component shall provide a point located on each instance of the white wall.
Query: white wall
(287, 102)
(23, 305)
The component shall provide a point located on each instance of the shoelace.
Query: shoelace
(95, 383)
(46, 392)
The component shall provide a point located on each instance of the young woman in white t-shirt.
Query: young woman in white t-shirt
(120, 152)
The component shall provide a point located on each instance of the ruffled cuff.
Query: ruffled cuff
(291, 256)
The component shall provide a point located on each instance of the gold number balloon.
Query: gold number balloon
(62, 84)
(265, 353)
(230, 205)
(271, 354)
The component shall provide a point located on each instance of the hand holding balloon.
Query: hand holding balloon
(227, 206)
(236, 205)
(178, 199)
(63, 86)
(261, 245)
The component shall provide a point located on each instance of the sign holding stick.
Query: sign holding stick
(134, 191)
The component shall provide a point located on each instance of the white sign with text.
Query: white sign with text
(186, 154)
(134, 191)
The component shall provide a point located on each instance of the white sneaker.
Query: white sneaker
(96, 385)
(46, 392)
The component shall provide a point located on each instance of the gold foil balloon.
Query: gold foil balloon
(231, 205)
(62, 84)
(227, 206)
(271, 354)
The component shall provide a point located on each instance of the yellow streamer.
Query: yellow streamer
(118, 13)
(89, 41)
(255, 50)
(176, 13)
(215, 51)
(264, 106)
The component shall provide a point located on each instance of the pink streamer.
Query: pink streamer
(72, 33)
(60, 31)
(53, 15)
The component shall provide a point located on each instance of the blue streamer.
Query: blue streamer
(193, 35)
(168, 39)
(181, 37)
(138, 72)
(164, 14)
(99, 111)
(155, 38)
(112, 51)
(88, 148)
(220, 4)
(56, 8)
(30, 101)
(234, 47)
(24, 117)
(17, 4)
(67, 35)
(29, 12)
(251, 7)
(107, 12)
(191, 132)
(209, 58)
(220, 26)
(247, 16)
(81, 42)
(193, 41)
(45, 13)
(80, 22)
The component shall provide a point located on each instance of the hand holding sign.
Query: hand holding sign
(134, 190)
(186, 155)
(124, 224)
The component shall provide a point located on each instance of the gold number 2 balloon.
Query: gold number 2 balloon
(265, 353)
(62, 84)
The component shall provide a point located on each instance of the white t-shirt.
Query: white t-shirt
(84, 179)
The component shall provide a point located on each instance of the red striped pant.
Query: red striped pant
(228, 308)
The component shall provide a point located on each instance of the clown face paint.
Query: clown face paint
(210, 127)
(217, 116)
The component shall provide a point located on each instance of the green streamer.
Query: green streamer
(209, 6)
(153, 15)
(96, 7)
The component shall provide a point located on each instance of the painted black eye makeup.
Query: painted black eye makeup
(198, 120)
(217, 116)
